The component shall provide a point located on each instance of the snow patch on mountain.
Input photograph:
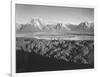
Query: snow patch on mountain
(38, 25)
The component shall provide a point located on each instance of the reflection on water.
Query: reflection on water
(57, 37)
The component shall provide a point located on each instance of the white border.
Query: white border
(60, 73)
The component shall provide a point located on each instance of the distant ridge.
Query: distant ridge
(37, 25)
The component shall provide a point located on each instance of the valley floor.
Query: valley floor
(35, 55)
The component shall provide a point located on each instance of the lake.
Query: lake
(56, 37)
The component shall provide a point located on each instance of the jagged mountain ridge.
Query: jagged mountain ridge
(37, 25)
(83, 27)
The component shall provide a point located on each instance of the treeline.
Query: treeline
(77, 51)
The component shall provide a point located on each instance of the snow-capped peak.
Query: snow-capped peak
(87, 24)
(37, 23)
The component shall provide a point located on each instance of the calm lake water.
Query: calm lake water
(57, 37)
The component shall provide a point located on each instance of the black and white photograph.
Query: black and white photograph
(53, 38)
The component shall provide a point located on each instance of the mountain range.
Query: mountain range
(36, 25)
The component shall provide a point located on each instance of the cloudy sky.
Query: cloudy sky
(24, 13)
